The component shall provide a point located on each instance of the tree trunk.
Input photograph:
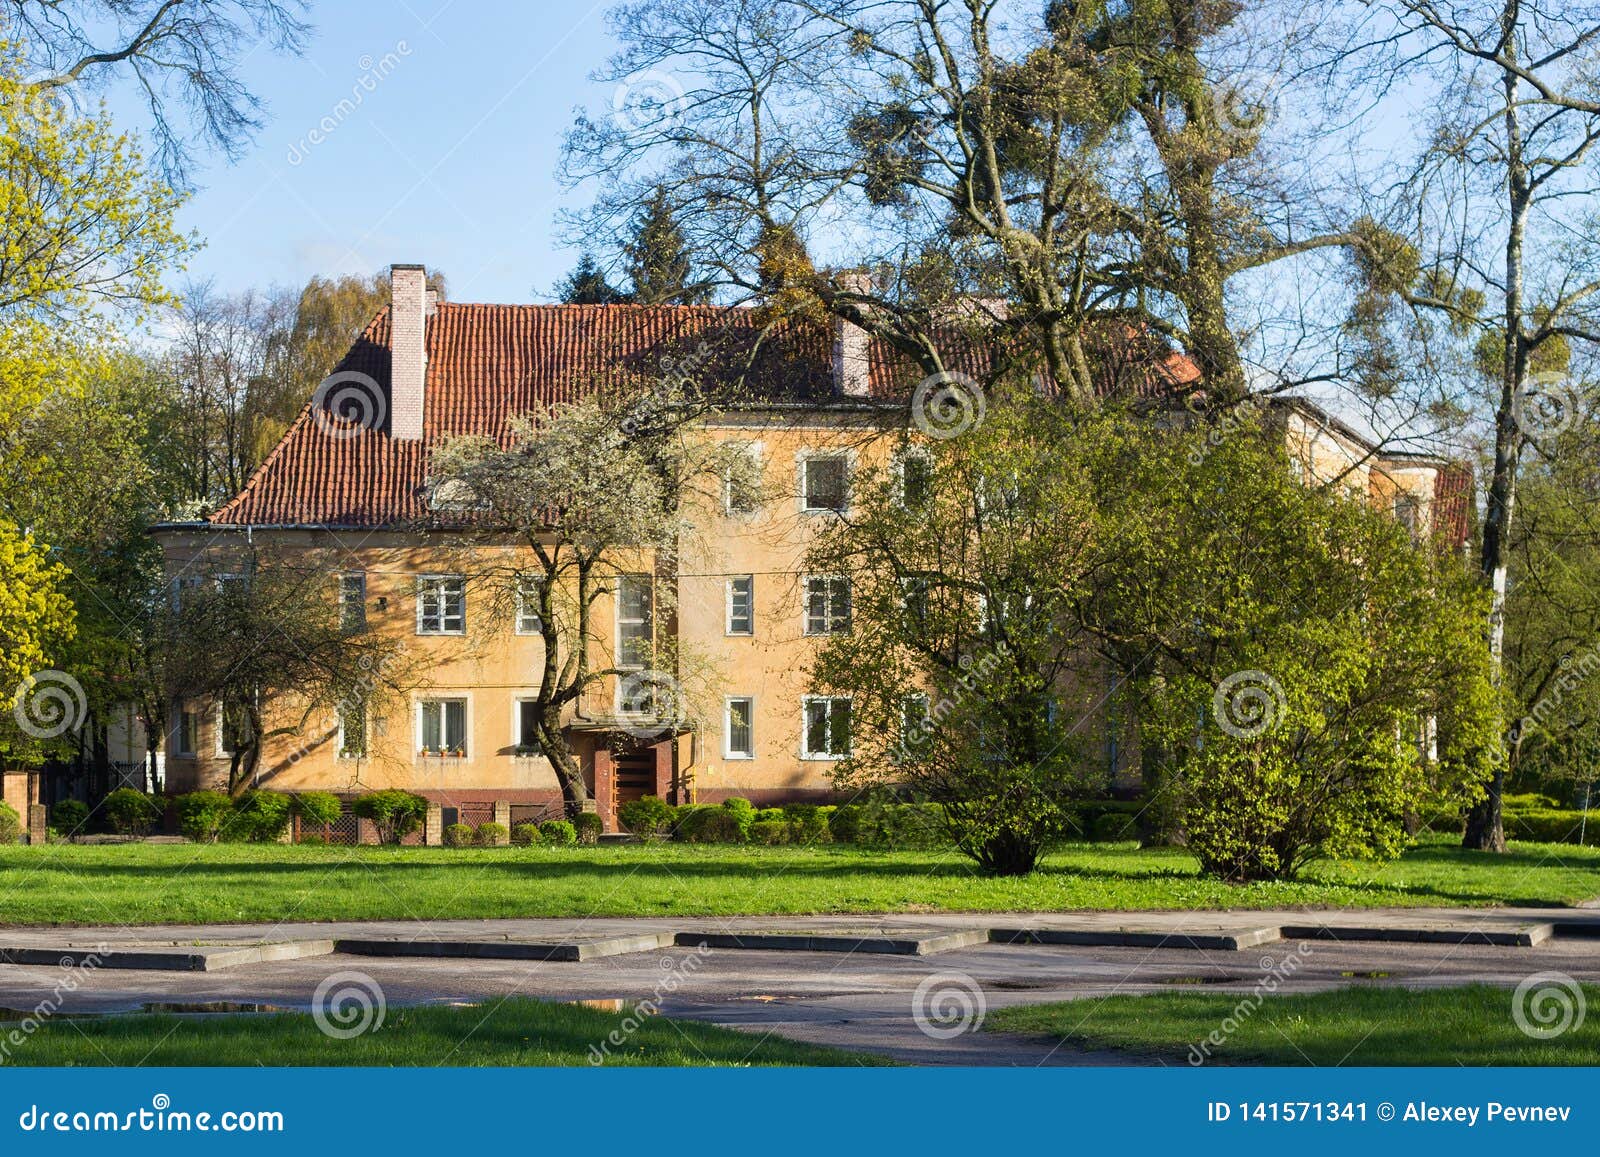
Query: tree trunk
(569, 772)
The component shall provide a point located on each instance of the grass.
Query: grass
(1357, 1026)
(513, 1032)
(208, 884)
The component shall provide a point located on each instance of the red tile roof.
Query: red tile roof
(487, 364)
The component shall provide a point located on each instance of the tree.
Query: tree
(595, 489)
(261, 636)
(658, 261)
(1512, 148)
(184, 58)
(36, 617)
(965, 662)
(587, 285)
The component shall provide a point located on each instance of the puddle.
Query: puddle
(211, 1006)
(1365, 975)
(612, 1004)
(1205, 980)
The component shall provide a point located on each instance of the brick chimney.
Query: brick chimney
(851, 370)
(408, 311)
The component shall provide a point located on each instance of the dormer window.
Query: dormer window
(454, 494)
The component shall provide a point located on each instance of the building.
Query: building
(350, 479)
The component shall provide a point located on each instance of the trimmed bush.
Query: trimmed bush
(845, 823)
(770, 832)
(396, 814)
(1548, 826)
(808, 823)
(648, 816)
(202, 814)
(881, 823)
(10, 824)
(525, 835)
(590, 827)
(559, 833)
(130, 812)
(317, 808)
(260, 817)
(69, 817)
(768, 815)
(712, 825)
(458, 835)
(493, 835)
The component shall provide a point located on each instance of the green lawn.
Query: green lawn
(1365, 1026)
(514, 1032)
(178, 883)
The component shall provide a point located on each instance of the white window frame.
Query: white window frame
(750, 606)
(341, 751)
(727, 727)
(803, 459)
(805, 727)
(436, 580)
(420, 703)
(805, 607)
(649, 581)
(517, 700)
(756, 452)
(527, 585)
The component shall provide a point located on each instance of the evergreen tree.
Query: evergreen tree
(658, 257)
(587, 285)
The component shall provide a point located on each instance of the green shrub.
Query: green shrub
(10, 824)
(712, 825)
(845, 823)
(396, 814)
(317, 808)
(458, 835)
(525, 835)
(1546, 826)
(590, 827)
(260, 817)
(769, 832)
(202, 814)
(769, 815)
(492, 835)
(808, 823)
(313, 840)
(647, 816)
(881, 823)
(742, 811)
(69, 817)
(130, 812)
(559, 833)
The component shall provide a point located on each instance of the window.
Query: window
(1408, 513)
(914, 599)
(442, 725)
(186, 736)
(825, 482)
(455, 494)
(914, 727)
(528, 621)
(741, 487)
(827, 606)
(741, 605)
(232, 728)
(738, 728)
(353, 729)
(916, 478)
(827, 728)
(180, 586)
(635, 598)
(527, 726)
(353, 601)
(441, 605)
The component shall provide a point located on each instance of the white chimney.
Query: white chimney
(408, 310)
(851, 366)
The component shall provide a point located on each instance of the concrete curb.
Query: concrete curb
(1127, 938)
(567, 950)
(905, 945)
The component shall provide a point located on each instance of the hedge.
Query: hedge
(10, 824)
(458, 835)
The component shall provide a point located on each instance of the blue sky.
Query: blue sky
(447, 156)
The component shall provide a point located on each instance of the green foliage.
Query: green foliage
(396, 814)
(202, 815)
(809, 822)
(70, 817)
(590, 827)
(742, 811)
(317, 808)
(458, 835)
(130, 812)
(558, 833)
(312, 840)
(260, 816)
(587, 285)
(770, 832)
(525, 835)
(710, 825)
(36, 619)
(647, 816)
(492, 835)
(658, 259)
(10, 824)
(879, 822)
